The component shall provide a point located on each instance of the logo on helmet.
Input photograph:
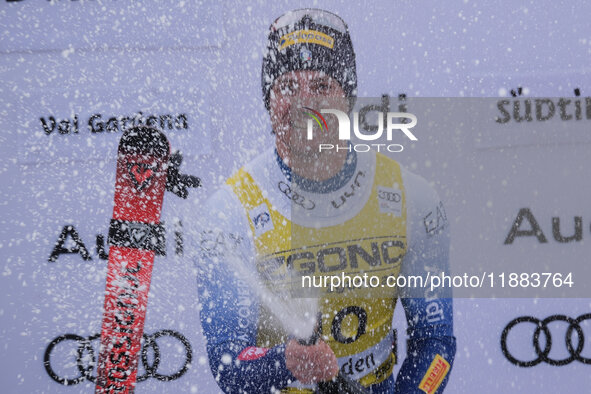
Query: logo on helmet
(306, 55)
(306, 36)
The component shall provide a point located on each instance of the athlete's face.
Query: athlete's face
(295, 90)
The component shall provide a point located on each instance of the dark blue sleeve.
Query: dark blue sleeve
(229, 312)
(429, 314)
(430, 333)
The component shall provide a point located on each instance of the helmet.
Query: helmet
(309, 39)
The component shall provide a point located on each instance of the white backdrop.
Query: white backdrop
(196, 67)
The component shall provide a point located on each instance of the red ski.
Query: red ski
(135, 237)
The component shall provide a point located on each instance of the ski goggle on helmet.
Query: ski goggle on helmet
(309, 39)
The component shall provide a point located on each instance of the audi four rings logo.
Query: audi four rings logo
(86, 360)
(541, 328)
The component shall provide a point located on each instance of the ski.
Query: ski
(135, 237)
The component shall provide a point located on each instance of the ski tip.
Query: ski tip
(144, 140)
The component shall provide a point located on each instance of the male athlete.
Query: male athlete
(298, 209)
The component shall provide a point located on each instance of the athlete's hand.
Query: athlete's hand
(311, 364)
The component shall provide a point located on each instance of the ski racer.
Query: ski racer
(319, 213)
